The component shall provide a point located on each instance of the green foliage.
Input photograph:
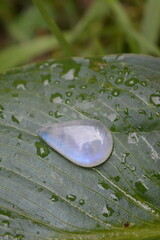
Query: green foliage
(45, 196)
(105, 27)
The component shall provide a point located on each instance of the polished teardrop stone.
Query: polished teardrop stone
(86, 143)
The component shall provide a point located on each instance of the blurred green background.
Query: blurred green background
(29, 33)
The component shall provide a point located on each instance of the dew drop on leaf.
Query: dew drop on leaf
(119, 80)
(150, 116)
(86, 143)
(58, 114)
(57, 82)
(143, 83)
(71, 197)
(50, 113)
(20, 84)
(81, 202)
(131, 82)
(68, 94)
(40, 189)
(135, 87)
(54, 198)
(32, 115)
(141, 111)
(56, 98)
(140, 187)
(155, 99)
(67, 101)
(42, 149)
(126, 111)
(14, 119)
(107, 211)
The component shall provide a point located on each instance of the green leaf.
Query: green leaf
(45, 196)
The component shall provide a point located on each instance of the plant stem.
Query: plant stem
(54, 28)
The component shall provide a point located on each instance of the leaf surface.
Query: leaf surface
(45, 196)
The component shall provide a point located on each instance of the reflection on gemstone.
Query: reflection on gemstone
(87, 143)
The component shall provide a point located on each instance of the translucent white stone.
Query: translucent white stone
(87, 143)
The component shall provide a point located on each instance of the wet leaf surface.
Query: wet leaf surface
(42, 194)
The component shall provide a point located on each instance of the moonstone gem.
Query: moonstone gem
(87, 143)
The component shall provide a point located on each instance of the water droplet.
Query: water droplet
(117, 178)
(109, 97)
(20, 136)
(54, 198)
(133, 138)
(69, 75)
(102, 91)
(87, 143)
(113, 128)
(32, 115)
(158, 114)
(117, 106)
(155, 99)
(133, 97)
(141, 187)
(119, 80)
(71, 197)
(111, 77)
(58, 114)
(126, 111)
(67, 101)
(120, 72)
(1, 107)
(107, 211)
(124, 157)
(5, 223)
(57, 82)
(14, 119)
(115, 92)
(71, 87)
(140, 127)
(131, 82)
(42, 149)
(141, 111)
(103, 185)
(50, 113)
(112, 117)
(18, 144)
(83, 86)
(114, 197)
(56, 98)
(81, 202)
(135, 87)
(143, 83)
(40, 189)
(150, 116)
(1, 112)
(20, 84)
(69, 94)
(46, 82)
(158, 143)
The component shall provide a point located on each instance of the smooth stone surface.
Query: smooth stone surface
(87, 143)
